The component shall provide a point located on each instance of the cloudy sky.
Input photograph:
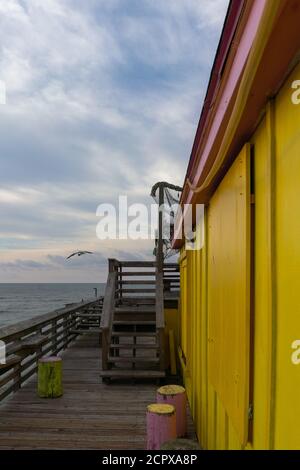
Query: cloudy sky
(103, 98)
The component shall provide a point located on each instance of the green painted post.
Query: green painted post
(50, 377)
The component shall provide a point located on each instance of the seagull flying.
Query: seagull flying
(80, 253)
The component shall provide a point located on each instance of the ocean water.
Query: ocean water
(23, 301)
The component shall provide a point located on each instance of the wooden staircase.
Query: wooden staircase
(88, 320)
(132, 324)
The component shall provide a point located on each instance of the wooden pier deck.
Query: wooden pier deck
(90, 415)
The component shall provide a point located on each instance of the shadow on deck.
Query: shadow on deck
(90, 415)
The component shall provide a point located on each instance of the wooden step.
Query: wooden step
(134, 317)
(132, 373)
(130, 304)
(139, 334)
(133, 346)
(134, 322)
(134, 309)
(140, 300)
(138, 316)
(137, 264)
(141, 290)
(134, 282)
(134, 360)
(136, 273)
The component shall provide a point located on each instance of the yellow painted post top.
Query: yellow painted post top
(161, 409)
(171, 390)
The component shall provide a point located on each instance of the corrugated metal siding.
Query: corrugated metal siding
(287, 223)
(229, 292)
(276, 383)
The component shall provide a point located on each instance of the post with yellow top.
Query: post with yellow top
(50, 377)
(161, 425)
(175, 395)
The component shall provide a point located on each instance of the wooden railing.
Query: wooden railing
(171, 278)
(160, 317)
(108, 311)
(27, 341)
(159, 301)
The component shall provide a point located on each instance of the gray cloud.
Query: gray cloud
(103, 99)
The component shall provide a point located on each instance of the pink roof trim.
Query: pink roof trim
(233, 79)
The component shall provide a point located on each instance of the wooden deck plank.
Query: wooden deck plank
(90, 414)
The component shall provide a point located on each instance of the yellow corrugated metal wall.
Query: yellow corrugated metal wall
(275, 383)
(287, 245)
(228, 233)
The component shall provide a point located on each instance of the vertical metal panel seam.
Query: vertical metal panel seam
(205, 312)
(272, 263)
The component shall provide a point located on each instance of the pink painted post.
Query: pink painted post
(161, 425)
(175, 395)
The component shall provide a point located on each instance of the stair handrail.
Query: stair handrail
(160, 317)
(108, 311)
(159, 301)
(108, 302)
